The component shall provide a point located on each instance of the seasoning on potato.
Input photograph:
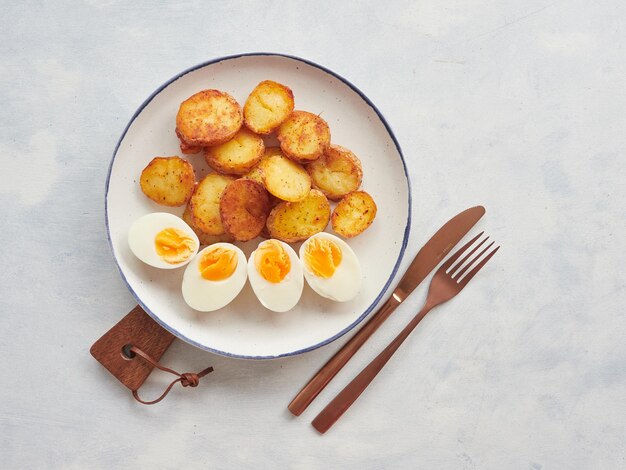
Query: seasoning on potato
(237, 156)
(209, 117)
(204, 204)
(244, 208)
(296, 221)
(354, 214)
(205, 238)
(256, 173)
(285, 179)
(186, 148)
(303, 136)
(336, 173)
(168, 181)
(268, 105)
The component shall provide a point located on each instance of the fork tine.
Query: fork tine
(459, 252)
(458, 275)
(478, 267)
(466, 257)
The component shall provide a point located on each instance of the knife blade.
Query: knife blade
(436, 249)
(427, 258)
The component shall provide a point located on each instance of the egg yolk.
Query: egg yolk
(322, 257)
(272, 261)
(173, 245)
(217, 264)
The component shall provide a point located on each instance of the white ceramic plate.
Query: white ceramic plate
(244, 328)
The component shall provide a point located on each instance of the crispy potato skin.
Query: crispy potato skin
(296, 221)
(354, 214)
(255, 174)
(237, 156)
(269, 104)
(210, 117)
(190, 149)
(187, 149)
(244, 209)
(168, 181)
(285, 179)
(204, 204)
(336, 173)
(303, 136)
(205, 238)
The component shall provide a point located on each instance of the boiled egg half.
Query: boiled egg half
(275, 275)
(214, 277)
(162, 240)
(330, 267)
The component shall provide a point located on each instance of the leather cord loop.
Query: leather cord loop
(187, 379)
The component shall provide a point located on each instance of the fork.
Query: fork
(447, 282)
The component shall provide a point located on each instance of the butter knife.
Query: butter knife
(427, 258)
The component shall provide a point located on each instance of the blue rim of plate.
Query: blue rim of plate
(407, 229)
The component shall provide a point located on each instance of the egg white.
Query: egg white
(345, 283)
(143, 231)
(281, 296)
(206, 296)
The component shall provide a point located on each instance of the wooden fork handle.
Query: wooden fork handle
(336, 363)
(338, 406)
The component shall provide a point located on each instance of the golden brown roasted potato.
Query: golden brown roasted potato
(336, 173)
(168, 181)
(285, 179)
(244, 209)
(186, 148)
(210, 117)
(237, 156)
(354, 213)
(205, 238)
(296, 221)
(204, 204)
(303, 136)
(268, 105)
(256, 173)
(190, 149)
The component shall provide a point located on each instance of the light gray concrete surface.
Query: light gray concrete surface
(519, 106)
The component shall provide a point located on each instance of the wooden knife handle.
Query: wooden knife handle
(304, 398)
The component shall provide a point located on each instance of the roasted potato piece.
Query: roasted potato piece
(244, 209)
(205, 238)
(237, 156)
(209, 117)
(186, 148)
(268, 105)
(168, 181)
(204, 204)
(354, 213)
(303, 136)
(190, 149)
(285, 179)
(296, 221)
(256, 173)
(270, 151)
(336, 173)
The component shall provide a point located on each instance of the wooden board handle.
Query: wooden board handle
(135, 329)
